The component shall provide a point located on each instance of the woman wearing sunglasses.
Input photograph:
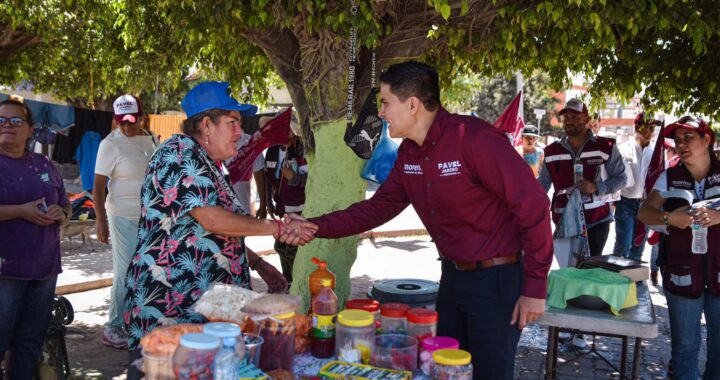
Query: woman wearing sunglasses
(691, 275)
(33, 205)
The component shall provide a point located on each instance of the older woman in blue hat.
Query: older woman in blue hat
(192, 225)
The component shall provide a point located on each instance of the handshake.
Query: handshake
(295, 230)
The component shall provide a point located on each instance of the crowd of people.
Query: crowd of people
(177, 224)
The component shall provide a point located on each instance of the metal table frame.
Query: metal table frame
(638, 322)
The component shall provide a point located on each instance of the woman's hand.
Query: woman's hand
(706, 217)
(298, 230)
(31, 212)
(273, 278)
(102, 230)
(680, 218)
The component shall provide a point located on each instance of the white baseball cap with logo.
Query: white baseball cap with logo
(576, 106)
(127, 108)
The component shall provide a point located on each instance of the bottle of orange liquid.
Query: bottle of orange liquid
(325, 308)
(318, 275)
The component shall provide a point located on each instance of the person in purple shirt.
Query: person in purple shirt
(480, 203)
(33, 206)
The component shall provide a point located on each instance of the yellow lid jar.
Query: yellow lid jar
(452, 364)
(355, 336)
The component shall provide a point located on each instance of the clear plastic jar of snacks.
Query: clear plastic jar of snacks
(431, 344)
(451, 364)
(193, 359)
(278, 350)
(224, 330)
(422, 323)
(392, 318)
(354, 336)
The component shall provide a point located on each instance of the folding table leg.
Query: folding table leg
(636, 358)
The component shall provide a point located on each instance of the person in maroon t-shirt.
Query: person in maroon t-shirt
(481, 205)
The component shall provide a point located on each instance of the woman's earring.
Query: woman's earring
(207, 140)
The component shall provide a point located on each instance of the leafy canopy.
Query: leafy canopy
(665, 49)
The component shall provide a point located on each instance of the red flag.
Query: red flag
(275, 132)
(657, 166)
(510, 121)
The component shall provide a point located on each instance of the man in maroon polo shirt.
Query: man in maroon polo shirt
(480, 203)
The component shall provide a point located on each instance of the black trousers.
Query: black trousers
(475, 307)
(597, 236)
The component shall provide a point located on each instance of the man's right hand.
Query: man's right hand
(103, 232)
(30, 211)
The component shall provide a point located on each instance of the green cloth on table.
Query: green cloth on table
(615, 289)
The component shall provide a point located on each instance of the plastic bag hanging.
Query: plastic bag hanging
(383, 158)
(362, 137)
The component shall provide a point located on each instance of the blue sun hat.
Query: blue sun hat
(213, 95)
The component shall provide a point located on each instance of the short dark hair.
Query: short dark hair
(413, 78)
(15, 102)
(191, 125)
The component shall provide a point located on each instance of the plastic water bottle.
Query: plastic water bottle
(578, 172)
(699, 239)
(227, 362)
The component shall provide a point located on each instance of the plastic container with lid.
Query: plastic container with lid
(422, 323)
(278, 334)
(431, 344)
(395, 351)
(227, 330)
(393, 318)
(368, 305)
(354, 336)
(193, 359)
(452, 364)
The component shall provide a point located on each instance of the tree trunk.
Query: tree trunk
(334, 183)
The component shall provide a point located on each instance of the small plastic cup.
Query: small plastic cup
(253, 344)
(158, 367)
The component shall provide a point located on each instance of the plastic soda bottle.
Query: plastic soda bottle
(325, 308)
(318, 275)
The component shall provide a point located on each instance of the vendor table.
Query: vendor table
(638, 322)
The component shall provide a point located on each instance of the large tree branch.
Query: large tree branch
(14, 40)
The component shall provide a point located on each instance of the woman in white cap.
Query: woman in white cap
(122, 159)
(689, 261)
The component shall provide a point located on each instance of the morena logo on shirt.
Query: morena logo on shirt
(412, 169)
(713, 179)
(681, 183)
(449, 168)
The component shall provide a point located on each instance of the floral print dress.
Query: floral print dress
(176, 259)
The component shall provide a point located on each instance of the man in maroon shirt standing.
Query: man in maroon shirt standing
(480, 203)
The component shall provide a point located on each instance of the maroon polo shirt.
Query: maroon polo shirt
(475, 195)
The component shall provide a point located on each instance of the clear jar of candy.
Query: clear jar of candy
(354, 336)
(421, 323)
(193, 359)
(452, 364)
(431, 344)
(392, 318)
